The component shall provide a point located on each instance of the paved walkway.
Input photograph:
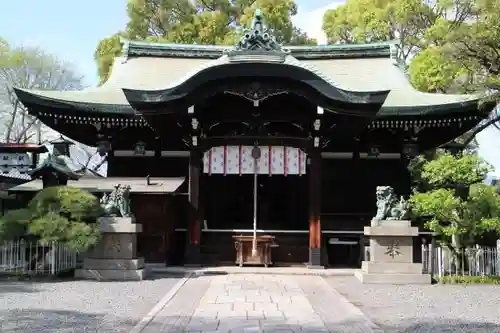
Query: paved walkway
(258, 303)
(300, 270)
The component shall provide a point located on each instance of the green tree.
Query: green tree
(198, 22)
(430, 71)
(364, 21)
(453, 45)
(56, 214)
(29, 68)
(458, 205)
(415, 24)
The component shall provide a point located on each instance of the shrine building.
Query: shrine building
(294, 139)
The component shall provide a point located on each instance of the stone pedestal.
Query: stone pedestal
(115, 256)
(391, 255)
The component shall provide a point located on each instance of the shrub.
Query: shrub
(61, 214)
(465, 279)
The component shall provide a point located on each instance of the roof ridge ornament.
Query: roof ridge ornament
(258, 39)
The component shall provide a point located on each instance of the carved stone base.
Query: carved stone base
(115, 256)
(391, 255)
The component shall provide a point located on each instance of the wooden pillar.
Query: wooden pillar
(193, 253)
(315, 243)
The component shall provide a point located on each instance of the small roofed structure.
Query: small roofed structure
(54, 171)
(16, 160)
(105, 185)
(61, 146)
(327, 124)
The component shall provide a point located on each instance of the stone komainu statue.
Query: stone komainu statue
(389, 206)
(117, 203)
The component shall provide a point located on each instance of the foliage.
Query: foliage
(454, 40)
(465, 279)
(464, 169)
(431, 71)
(63, 214)
(457, 218)
(450, 46)
(364, 21)
(108, 49)
(14, 223)
(198, 22)
(29, 68)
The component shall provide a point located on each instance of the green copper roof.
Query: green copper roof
(144, 49)
(154, 73)
(358, 68)
(256, 37)
(57, 164)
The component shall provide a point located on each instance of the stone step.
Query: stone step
(391, 267)
(111, 274)
(379, 278)
(116, 264)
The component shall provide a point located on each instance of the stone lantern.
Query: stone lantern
(61, 146)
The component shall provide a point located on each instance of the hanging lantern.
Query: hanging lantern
(317, 124)
(410, 149)
(194, 123)
(256, 152)
(103, 147)
(61, 146)
(374, 151)
(316, 142)
(140, 148)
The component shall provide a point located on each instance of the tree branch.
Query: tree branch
(478, 129)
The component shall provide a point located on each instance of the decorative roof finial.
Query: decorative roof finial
(257, 37)
(257, 23)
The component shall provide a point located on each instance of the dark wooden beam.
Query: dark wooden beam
(315, 244)
(209, 142)
(193, 252)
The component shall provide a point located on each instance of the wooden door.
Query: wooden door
(154, 212)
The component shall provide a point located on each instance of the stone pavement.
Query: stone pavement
(258, 303)
(273, 270)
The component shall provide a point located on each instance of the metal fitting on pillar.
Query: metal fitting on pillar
(316, 142)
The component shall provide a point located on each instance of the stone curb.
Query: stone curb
(143, 323)
(354, 309)
(323, 273)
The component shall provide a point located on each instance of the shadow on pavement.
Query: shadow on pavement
(42, 321)
(236, 325)
(174, 324)
(45, 321)
(443, 326)
(16, 287)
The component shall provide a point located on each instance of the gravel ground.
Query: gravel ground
(78, 306)
(418, 309)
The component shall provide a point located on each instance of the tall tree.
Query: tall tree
(30, 68)
(458, 205)
(198, 22)
(416, 24)
(453, 45)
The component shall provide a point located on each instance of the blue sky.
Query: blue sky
(72, 29)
